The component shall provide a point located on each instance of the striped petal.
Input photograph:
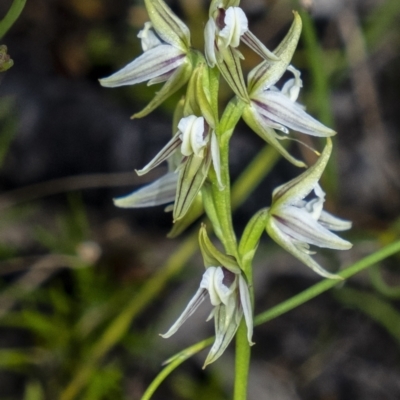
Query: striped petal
(155, 62)
(286, 242)
(300, 225)
(161, 191)
(280, 109)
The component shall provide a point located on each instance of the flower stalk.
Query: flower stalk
(197, 154)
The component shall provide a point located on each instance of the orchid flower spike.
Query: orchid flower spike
(271, 109)
(198, 147)
(226, 28)
(295, 223)
(166, 58)
(228, 293)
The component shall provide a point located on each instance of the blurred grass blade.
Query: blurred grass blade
(379, 310)
(173, 363)
(327, 284)
(320, 93)
(13, 13)
(34, 391)
(383, 22)
(393, 292)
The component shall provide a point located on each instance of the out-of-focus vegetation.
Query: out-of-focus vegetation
(85, 288)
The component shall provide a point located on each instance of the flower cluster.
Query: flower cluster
(197, 154)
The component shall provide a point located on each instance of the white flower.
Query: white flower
(295, 223)
(198, 147)
(229, 296)
(166, 45)
(225, 29)
(271, 109)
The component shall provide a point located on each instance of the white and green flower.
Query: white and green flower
(227, 26)
(295, 222)
(229, 295)
(197, 146)
(166, 58)
(271, 109)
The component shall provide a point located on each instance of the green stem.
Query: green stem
(242, 363)
(243, 351)
(320, 92)
(393, 292)
(222, 197)
(327, 284)
(13, 13)
(176, 361)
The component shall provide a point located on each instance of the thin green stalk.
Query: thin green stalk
(242, 363)
(13, 13)
(327, 284)
(222, 197)
(393, 292)
(320, 92)
(177, 360)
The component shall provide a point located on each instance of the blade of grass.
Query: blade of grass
(320, 92)
(13, 13)
(377, 309)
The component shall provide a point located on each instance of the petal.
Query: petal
(333, 223)
(223, 291)
(194, 303)
(257, 124)
(292, 87)
(216, 160)
(235, 26)
(212, 256)
(148, 37)
(247, 307)
(258, 47)
(159, 192)
(209, 42)
(298, 188)
(228, 63)
(170, 28)
(280, 109)
(151, 64)
(287, 243)
(300, 225)
(268, 73)
(191, 178)
(162, 155)
(192, 135)
(193, 213)
(225, 329)
(173, 84)
(208, 283)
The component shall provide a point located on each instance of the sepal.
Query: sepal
(161, 191)
(179, 78)
(194, 212)
(170, 28)
(267, 73)
(254, 121)
(251, 235)
(212, 256)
